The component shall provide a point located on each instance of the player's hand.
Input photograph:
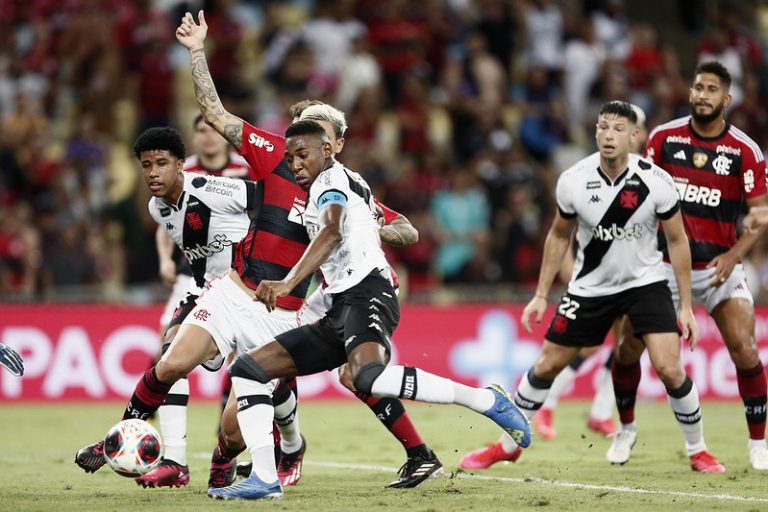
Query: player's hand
(191, 34)
(756, 218)
(723, 265)
(168, 271)
(378, 214)
(11, 360)
(537, 306)
(269, 291)
(688, 325)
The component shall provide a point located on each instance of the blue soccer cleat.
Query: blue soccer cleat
(506, 414)
(252, 488)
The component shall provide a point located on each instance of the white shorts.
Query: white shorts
(735, 287)
(236, 322)
(180, 289)
(315, 306)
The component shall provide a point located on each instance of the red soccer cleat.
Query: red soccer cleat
(167, 474)
(289, 465)
(483, 458)
(605, 427)
(542, 421)
(705, 462)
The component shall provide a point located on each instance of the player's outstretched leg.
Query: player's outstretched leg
(149, 394)
(173, 470)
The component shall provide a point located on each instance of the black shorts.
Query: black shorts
(184, 308)
(369, 311)
(584, 321)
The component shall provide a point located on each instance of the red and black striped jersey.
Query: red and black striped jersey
(235, 167)
(276, 238)
(713, 176)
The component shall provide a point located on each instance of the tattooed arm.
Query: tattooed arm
(192, 36)
(399, 233)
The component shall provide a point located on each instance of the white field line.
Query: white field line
(540, 481)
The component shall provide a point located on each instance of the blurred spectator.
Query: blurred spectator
(545, 35)
(462, 224)
(612, 29)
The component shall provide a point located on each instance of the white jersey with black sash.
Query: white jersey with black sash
(359, 252)
(617, 224)
(207, 221)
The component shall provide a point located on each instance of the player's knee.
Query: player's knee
(171, 369)
(670, 373)
(165, 348)
(345, 377)
(246, 368)
(366, 376)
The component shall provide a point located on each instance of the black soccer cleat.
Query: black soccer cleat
(418, 470)
(91, 457)
(244, 469)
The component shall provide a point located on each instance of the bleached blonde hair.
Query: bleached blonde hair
(324, 112)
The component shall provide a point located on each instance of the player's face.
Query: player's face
(614, 135)
(162, 173)
(307, 156)
(208, 141)
(708, 98)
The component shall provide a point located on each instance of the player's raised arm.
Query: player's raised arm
(192, 36)
(680, 257)
(556, 246)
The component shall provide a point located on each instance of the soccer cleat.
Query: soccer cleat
(506, 414)
(91, 457)
(289, 465)
(483, 458)
(222, 474)
(705, 462)
(605, 427)
(543, 423)
(167, 474)
(418, 470)
(758, 457)
(621, 447)
(252, 488)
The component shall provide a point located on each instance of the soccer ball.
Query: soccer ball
(132, 448)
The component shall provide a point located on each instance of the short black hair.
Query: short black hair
(621, 109)
(716, 68)
(306, 127)
(158, 139)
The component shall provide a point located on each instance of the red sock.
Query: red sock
(222, 453)
(392, 414)
(149, 394)
(752, 388)
(626, 379)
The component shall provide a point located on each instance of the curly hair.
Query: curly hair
(162, 138)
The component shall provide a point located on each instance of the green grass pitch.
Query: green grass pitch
(350, 458)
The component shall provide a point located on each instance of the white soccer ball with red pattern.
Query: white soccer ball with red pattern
(132, 448)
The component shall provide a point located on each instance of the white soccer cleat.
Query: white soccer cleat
(621, 447)
(758, 457)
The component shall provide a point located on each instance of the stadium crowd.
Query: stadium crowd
(461, 113)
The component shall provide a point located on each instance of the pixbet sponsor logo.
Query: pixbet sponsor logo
(204, 251)
(614, 232)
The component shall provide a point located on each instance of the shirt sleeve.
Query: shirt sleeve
(666, 196)
(753, 175)
(564, 198)
(262, 150)
(653, 148)
(389, 213)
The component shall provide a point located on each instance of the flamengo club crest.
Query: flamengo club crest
(699, 159)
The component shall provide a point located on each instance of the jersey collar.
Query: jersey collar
(608, 181)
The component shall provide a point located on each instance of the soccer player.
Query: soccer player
(716, 167)
(264, 152)
(205, 216)
(364, 313)
(617, 199)
(211, 157)
(11, 360)
(600, 413)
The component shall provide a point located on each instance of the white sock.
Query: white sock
(287, 419)
(531, 395)
(416, 384)
(604, 400)
(254, 415)
(685, 404)
(173, 422)
(564, 379)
